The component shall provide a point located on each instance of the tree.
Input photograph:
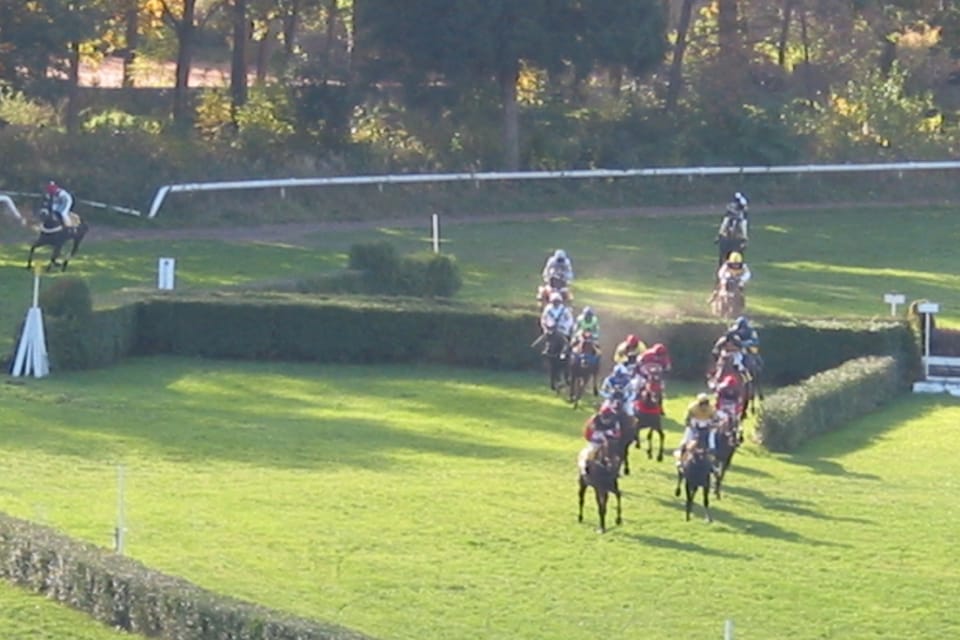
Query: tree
(472, 43)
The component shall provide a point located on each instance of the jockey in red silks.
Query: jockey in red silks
(600, 428)
(730, 395)
(652, 363)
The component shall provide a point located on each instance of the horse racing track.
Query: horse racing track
(427, 502)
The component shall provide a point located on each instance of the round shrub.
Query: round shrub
(67, 298)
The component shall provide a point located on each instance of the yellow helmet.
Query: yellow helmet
(735, 257)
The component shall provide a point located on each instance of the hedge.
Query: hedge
(125, 594)
(827, 401)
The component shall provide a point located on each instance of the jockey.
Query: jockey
(699, 423)
(556, 317)
(729, 362)
(749, 343)
(629, 350)
(58, 200)
(734, 267)
(588, 322)
(619, 385)
(730, 394)
(736, 218)
(580, 339)
(656, 356)
(558, 265)
(600, 428)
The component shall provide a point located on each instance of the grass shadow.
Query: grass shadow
(682, 545)
(787, 505)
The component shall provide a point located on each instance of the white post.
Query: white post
(165, 273)
(436, 233)
(893, 299)
(927, 309)
(32, 351)
(120, 528)
(728, 630)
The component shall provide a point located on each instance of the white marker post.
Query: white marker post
(893, 299)
(31, 355)
(165, 273)
(928, 309)
(728, 630)
(436, 233)
(120, 529)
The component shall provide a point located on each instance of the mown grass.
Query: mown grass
(428, 502)
(27, 616)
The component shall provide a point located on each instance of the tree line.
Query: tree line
(507, 84)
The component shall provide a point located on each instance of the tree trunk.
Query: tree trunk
(132, 37)
(784, 33)
(73, 86)
(238, 59)
(511, 116)
(263, 54)
(185, 30)
(291, 23)
(330, 34)
(675, 77)
(727, 37)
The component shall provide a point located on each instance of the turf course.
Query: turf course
(428, 502)
(25, 616)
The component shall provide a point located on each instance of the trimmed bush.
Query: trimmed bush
(382, 271)
(123, 593)
(827, 401)
(379, 263)
(67, 298)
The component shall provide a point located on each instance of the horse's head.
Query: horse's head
(557, 281)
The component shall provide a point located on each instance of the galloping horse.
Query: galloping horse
(728, 242)
(728, 438)
(620, 447)
(556, 350)
(584, 367)
(554, 284)
(728, 299)
(601, 474)
(695, 471)
(54, 234)
(648, 408)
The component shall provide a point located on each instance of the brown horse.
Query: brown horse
(554, 284)
(55, 235)
(695, 471)
(601, 474)
(648, 409)
(584, 367)
(728, 299)
(728, 438)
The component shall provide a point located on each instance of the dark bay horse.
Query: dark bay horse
(728, 438)
(728, 242)
(55, 235)
(648, 409)
(695, 472)
(584, 367)
(601, 474)
(556, 350)
(728, 299)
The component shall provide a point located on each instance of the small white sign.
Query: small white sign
(928, 307)
(165, 273)
(894, 298)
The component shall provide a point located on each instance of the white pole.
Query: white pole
(31, 354)
(436, 233)
(119, 530)
(728, 630)
(926, 346)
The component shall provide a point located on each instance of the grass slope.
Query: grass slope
(428, 502)
(25, 616)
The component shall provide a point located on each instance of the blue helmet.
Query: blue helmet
(741, 322)
(587, 312)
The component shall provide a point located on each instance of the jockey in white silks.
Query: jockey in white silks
(557, 317)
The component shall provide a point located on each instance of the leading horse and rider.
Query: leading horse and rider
(58, 225)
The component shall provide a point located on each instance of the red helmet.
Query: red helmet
(52, 188)
(632, 340)
(728, 381)
(659, 349)
(607, 410)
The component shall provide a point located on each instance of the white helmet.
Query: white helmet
(621, 370)
(740, 199)
(560, 254)
(556, 297)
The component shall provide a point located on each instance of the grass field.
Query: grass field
(25, 616)
(428, 502)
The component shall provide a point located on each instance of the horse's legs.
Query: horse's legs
(53, 257)
(601, 508)
(33, 248)
(691, 492)
(706, 500)
(676, 491)
(583, 490)
(616, 492)
(649, 444)
(660, 450)
(596, 390)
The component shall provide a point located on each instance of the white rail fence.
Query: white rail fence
(382, 180)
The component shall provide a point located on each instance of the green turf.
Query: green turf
(25, 616)
(427, 502)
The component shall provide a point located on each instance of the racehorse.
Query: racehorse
(728, 299)
(728, 438)
(728, 242)
(54, 234)
(648, 409)
(555, 284)
(556, 349)
(584, 367)
(620, 447)
(695, 471)
(601, 474)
